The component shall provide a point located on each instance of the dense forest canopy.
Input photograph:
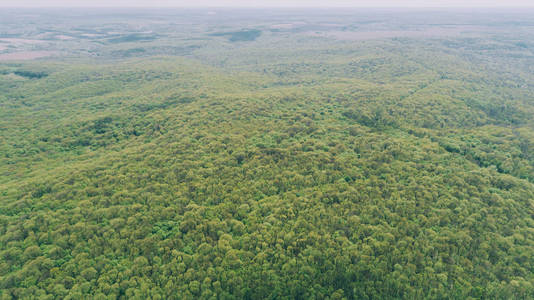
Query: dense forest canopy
(280, 154)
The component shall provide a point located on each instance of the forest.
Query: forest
(273, 154)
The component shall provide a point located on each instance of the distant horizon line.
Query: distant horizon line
(281, 7)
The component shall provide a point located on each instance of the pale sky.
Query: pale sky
(266, 3)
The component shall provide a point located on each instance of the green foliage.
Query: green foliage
(240, 36)
(30, 74)
(129, 38)
(294, 166)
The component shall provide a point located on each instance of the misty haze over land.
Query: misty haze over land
(268, 3)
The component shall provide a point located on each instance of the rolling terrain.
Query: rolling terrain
(278, 154)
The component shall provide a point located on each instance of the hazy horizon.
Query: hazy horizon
(265, 3)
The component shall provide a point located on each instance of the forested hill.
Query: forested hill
(296, 164)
